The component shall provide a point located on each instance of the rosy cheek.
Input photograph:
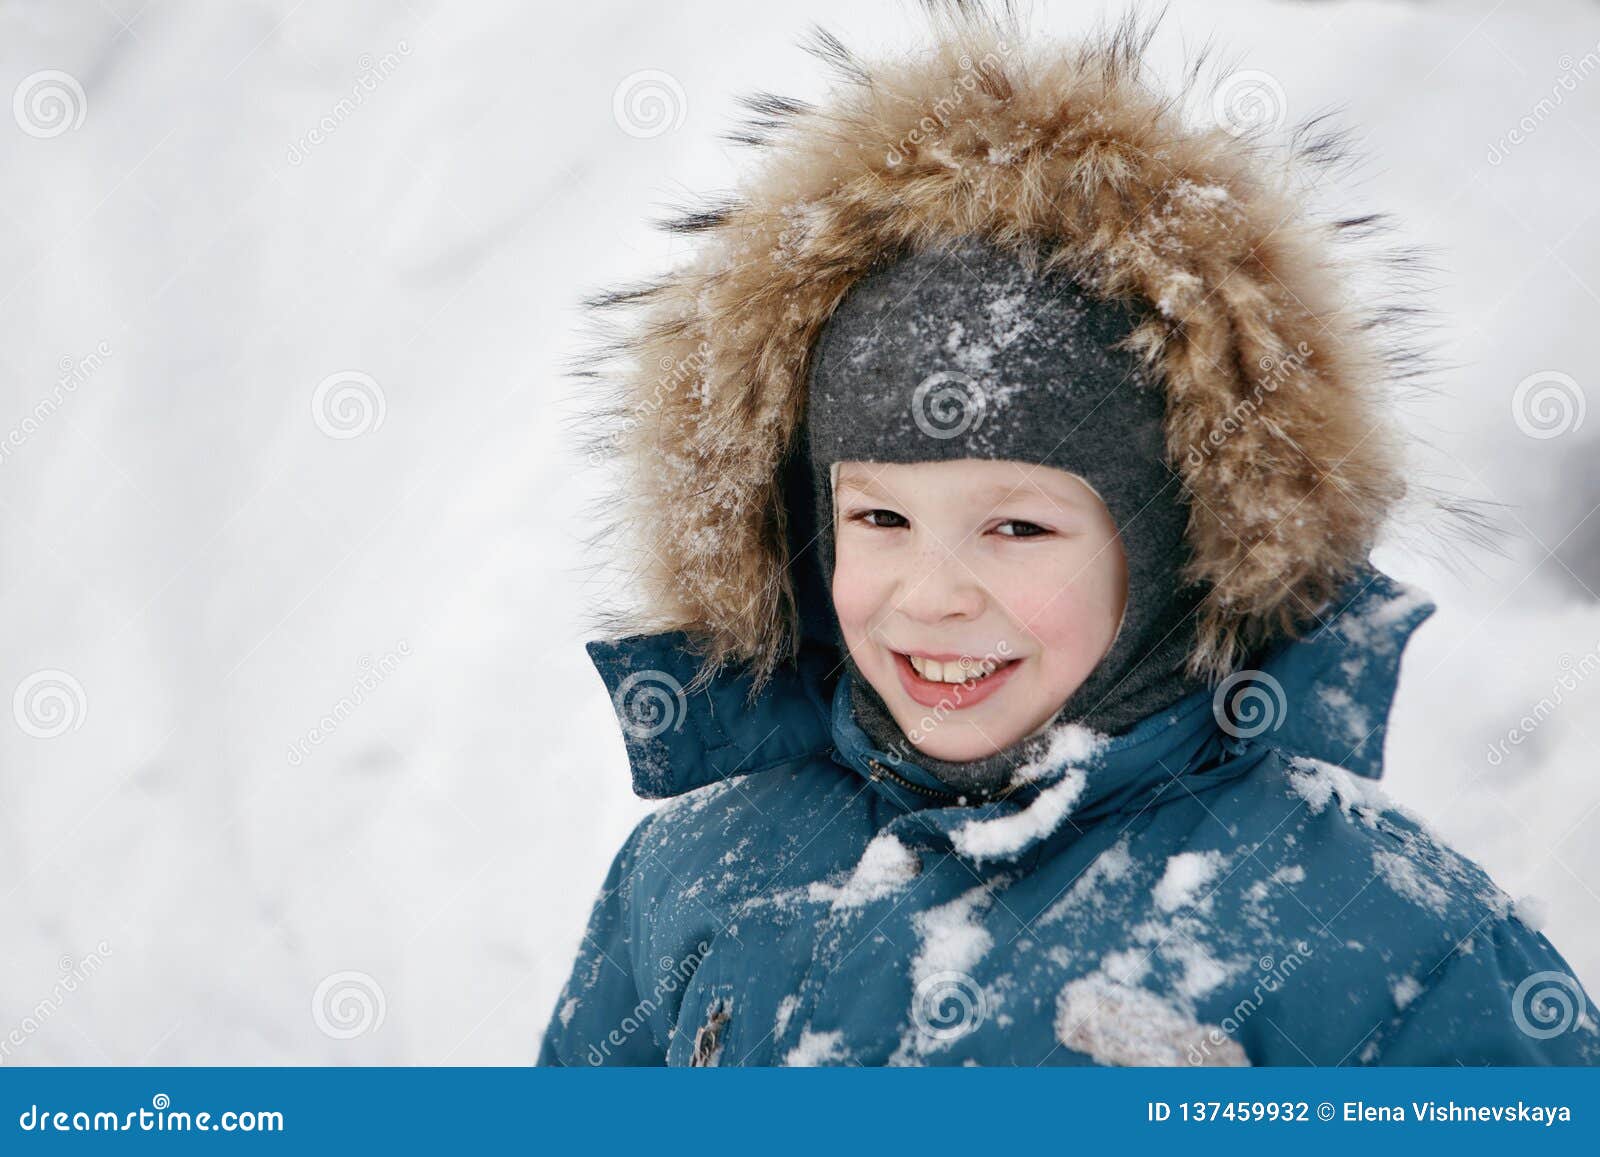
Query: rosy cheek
(855, 596)
(1052, 620)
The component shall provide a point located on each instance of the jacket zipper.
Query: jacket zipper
(879, 771)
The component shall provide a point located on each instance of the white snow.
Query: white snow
(1288, 874)
(1119, 1024)
(1319, 783)
(816, 1048)
(1127, 965)
(1203, 973)
(953, 938)
(1071, 746)
(1004, 835)
(786, 1010)
(886, 865)
(952, 942)
(1108, 867)
(211, 568)
(1405, 990)
(1402, 875)
(1186, 875)
(1370, 628)
(1354, 719)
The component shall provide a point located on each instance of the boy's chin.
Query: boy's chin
(955, 742)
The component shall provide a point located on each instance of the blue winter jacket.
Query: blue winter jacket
(1221, 885)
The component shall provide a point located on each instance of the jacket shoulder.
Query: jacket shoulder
(751, 842)
(1415, 955)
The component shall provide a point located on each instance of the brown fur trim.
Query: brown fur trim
(1273, 380)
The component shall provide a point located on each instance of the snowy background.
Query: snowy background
(195, 566)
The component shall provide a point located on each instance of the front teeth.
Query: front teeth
(954, 671)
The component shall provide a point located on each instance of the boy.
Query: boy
(1007, 463)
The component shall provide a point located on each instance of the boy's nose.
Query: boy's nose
(941, 588)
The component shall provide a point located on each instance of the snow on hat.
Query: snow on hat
(967, 352)
(1272, 377)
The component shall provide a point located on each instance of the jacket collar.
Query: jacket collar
(680, 739)
(1326, 696)
(1329, 694)
(1104, 774)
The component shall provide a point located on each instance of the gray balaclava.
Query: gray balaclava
(966, 352)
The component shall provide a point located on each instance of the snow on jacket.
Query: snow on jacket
(1220, 885)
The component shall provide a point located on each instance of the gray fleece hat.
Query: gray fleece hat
(968, 352)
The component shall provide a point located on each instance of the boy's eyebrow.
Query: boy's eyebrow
(855, 478)
(1031, 486)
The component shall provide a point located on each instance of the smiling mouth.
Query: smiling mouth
(951, 682)
(963, 670)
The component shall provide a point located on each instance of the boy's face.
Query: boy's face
(1010, 575)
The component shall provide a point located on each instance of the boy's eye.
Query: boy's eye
(883, 518)
(1017, 528)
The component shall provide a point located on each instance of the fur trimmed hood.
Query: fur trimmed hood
(1274, 379)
